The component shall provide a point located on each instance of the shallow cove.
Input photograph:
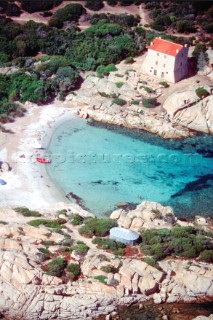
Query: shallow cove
(100, 166)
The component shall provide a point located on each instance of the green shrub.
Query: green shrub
(107, 244)
(119, 84)
(56, 267)
(97, 227)
(151, 261)
(147, 89)
(94, 5)
(187, 242)
(86, 231)
(206, 255)
(76, 219)
(55, 22)
(44, 250)
(48, 242)
(105, 70)
(136, 101)
(201, 92)
(200, 47)
(27, 213)
(164, 84)
(149, 102)
(41, 5)
(101, 278)
(80, 248)
(46, 222)
(74, 268)
(71, 12)
(109, 269)
(119, 101)
(129, 60)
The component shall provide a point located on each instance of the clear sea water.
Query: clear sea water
(101, 166)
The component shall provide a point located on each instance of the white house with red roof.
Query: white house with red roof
(166, 60)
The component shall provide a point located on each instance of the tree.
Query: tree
(184, 26)
(201, 61)
(200, 47)
(13, 10)
(94, 5)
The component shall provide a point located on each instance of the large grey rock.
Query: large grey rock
(186, 109)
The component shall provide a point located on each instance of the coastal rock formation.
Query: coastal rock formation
(147, 215)
(96, 99)
(187, 110)
(27, 292)
(181, 115)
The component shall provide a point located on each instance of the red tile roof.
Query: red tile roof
(165, 47)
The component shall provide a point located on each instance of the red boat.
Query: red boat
(43, 160)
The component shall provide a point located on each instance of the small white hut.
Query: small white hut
(126, 236)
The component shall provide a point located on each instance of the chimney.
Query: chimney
(151, 43)
(177, 51)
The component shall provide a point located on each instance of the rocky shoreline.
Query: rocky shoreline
(181, 114)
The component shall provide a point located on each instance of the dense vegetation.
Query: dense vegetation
(113, 246)
(41, 79)
(56, 224)
(66, 52)
(181, 18)
(71, 12)
(27, 212)
(188, 242)
(97, 227)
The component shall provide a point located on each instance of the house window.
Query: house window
(164, 56)
(162, 74)
(164, 65)
(181, 63)
(156, 62)
(155, 72)
(158, 54)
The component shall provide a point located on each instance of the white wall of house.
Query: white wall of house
(166, 67)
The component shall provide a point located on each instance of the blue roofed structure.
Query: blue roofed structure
(126, 236)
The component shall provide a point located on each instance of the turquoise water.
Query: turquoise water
(100, 166)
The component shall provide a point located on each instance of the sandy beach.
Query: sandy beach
(27, 181)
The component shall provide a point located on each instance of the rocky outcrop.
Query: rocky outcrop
(146, 215)
(183, 112)
(187, 110)
(96, 99)
(27, 292)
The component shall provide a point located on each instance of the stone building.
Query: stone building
(166, 60)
